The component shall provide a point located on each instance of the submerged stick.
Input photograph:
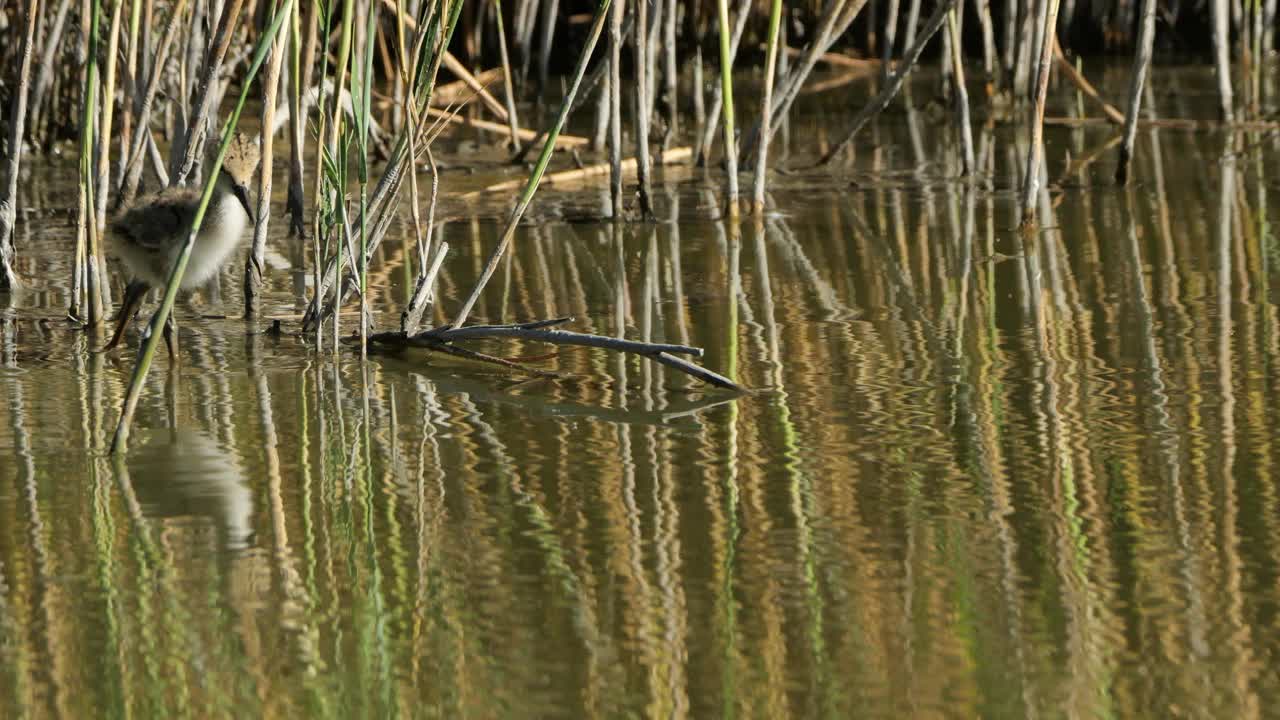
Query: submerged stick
(542, 331)
(1141, 61)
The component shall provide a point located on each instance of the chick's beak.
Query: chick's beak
(242, 194)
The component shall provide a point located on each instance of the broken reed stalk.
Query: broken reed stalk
(544, 159)
(726, 91)
(120, 440)
(17, 118)
(1137, 76)
(255, 261)
(894, 84)
(766, 101)
(1035, 153)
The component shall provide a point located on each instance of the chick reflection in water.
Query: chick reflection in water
(148, 237)
(186, 474)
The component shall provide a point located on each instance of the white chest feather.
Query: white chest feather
(220, 234)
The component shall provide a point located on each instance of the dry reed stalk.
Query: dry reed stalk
(1024, 41)
(131, 89)
(490, 102)
(88, 251)
(550, 13)
(1082, 83)
(17, 119)
(617, 10)
(643, 72)
(766, 100)
(509, 94)
(562, 142)
(890, 35)
(133, 169)
(913, 22)
(102, 187)
(424, 290)
(961, 92)
(988, 47)
(1137, 76)
(256, 259)
(190, 142)
(46, 68)
(602, 12)
(1035, 153)
(909, 59)
(839, 16)
(670, 73)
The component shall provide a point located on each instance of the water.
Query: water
(980, 477)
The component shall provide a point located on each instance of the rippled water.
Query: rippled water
(982, 476)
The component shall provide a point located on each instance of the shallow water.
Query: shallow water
(980, 477)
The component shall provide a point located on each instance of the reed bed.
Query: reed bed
(139, 87)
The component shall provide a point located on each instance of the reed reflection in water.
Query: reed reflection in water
(989, 476)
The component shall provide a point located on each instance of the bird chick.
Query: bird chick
(148, 237)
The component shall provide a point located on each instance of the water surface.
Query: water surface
(981, 476)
